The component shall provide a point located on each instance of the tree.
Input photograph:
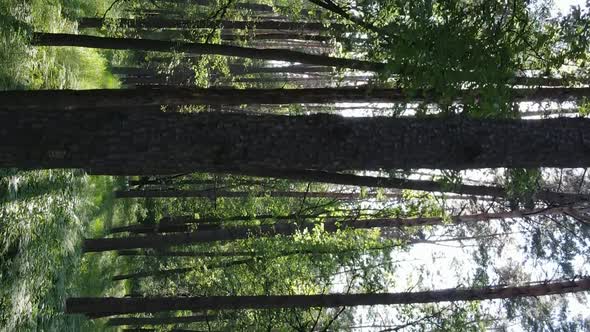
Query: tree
(114, 306)
(166, 95)
(48, 39)
(213, 194)
(163, 23)
(145, 142)
(350, 221)
(553, 197)
(169, 272)
(182, 234)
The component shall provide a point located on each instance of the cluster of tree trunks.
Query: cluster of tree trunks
(165, 23)
(182, 234)
(186, 223)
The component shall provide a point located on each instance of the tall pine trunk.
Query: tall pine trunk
(158, 22)
(285, 229)
(370, 223)
(114, 306)
(554, 197)
(167, 95)
(213, 194)
(48, 39)
(151, 142)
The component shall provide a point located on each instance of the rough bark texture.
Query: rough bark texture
(213, 194)
(177, 239)
(175, 95)
(47, 39)
(114, 306)
(165, 23)
(147, 143)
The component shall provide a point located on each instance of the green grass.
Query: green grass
(26, 67)
(44, 215)
(40, 238)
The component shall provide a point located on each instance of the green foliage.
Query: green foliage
(450, 179)
(450, 45)
(584, 107)
(24, 66)
(521, 186)
(45, 215)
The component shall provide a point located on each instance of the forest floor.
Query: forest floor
(44, 215)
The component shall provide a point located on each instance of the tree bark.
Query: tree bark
(254, 258)
(187, 238)
(213, 194)
(276, 36)
(166, 95)
(168, 223)
(297, 69)
(153, 142)
(332, 7)
(285, 229)
(48, 39)
(187, 223)
(165, 23)
(357, 223)
(240, 5)
(559, 198)
(113, 306)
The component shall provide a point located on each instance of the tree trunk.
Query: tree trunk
(165, 23)
(240, 5)
(138, 321)
(559, 198)
(47, 39)
(297, 69)
(113, 306)
(187, 238)
(156, 96)
(285, 229)
(213, 194)
(255, 257)
(173, 221)
(276, 36)
(356, 223)
(164, 228)
(334, 8)
(149, 142)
